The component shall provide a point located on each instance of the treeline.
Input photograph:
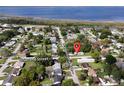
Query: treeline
(47, 22)
(6, 35)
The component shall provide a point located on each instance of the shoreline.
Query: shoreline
(3, 16)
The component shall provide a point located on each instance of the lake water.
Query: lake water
(75, 13)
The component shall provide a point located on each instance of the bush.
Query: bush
(68, 82)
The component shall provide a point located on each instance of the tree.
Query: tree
(48, 29)
(70, 47)
(5, 52)
(96, 55)
(45, 59)
(76, 29)
(37, 39)
(121, 54)
(61, 52)
(81, 37)
(40, 37)
(91, 80)
(47, 41)
(30, 46)
(105, 41)
(110, 59)
(30, 76)
(83, 76)
(30, 35)
(121, 40)
(105, 33)
(64, 33)
(86, 47)
(116, 72)
(19, 81)
(62, 59)
(68, 82)
(107, 69)
(34, 83)
(40, 69)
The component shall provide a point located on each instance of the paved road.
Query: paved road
(17, 48)
(61, 37)
(72, 70)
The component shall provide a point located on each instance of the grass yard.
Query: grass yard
(8, 69)
(74, 62)
(82, 82)
(47, 82)
(67, 73)
(2, 60)
(96, 65)
(28, 64)
(3, 78)
(16, 58)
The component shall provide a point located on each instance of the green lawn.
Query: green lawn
(28, 64)
(74, 62)
(8, 69)
(67, 73)
(96, 65)
(3, 78)
(47, 82)
(82, 82)
(36, 51)
(99, 66)
(16, 57)
(2, 60)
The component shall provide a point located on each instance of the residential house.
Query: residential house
(57, 73)
(54, 48)
(85, 66)
(15, 71)
(71, 36)
(120, 65)
(19, 64)
(53, 39)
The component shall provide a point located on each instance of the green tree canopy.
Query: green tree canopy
(68, 82)
(110, 59)
(5, 52)
(96, 55)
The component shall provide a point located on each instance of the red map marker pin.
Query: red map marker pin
(77, 47)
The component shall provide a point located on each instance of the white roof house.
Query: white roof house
(6, 25)
(85, 60)
(37, 33)
(18, 64)
(119, 45)
(120, 65)
(56, 66)
(71, 36)
(57, 73)
(21, 30)
(9, 44)
(53, 39)
(54, 48)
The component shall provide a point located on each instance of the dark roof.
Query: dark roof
(15, 71)
(57, 71)
(96, 79)
(85, 65)
(57, 79)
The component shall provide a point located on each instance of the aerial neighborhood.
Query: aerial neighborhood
(44, 55)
